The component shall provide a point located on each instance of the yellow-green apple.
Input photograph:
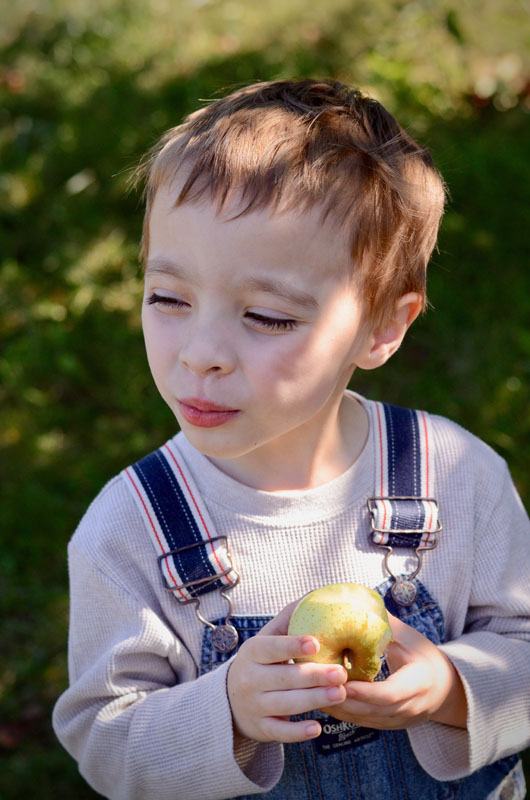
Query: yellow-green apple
(351, 624)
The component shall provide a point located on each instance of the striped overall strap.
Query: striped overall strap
(403, 511)
(193, 560)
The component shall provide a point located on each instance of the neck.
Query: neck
(310, 461)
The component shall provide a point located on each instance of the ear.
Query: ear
(384, 340)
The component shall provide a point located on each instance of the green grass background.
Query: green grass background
(85, 89)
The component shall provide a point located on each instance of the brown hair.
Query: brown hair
(299, 144)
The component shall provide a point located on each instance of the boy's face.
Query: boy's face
(251, 331)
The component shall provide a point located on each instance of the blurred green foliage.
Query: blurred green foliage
(85, 89)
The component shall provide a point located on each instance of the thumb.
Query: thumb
(279, 624)
(408, 644)
(397, 656)
(397, 652)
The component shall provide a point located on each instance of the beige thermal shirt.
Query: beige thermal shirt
(139, 722)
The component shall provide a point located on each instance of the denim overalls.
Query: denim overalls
(346, 762)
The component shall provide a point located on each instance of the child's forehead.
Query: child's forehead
(299, 235)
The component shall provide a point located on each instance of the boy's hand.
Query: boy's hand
(264, 690)
(423, 685)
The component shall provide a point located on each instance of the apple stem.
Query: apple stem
(347, 659)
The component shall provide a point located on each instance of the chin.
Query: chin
(212, 443)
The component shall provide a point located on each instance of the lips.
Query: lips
(204, 405)
(204, 413)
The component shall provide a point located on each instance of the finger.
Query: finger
(359, 711)
(399, 687)
(397, 656)
(280, 730)
(398, 626)
(370, 717)
(300, 676)
(299, 701)
(278, 649)
(279, 625)
(407, 637)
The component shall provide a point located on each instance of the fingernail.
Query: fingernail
(313, 729)
(335, 675)
(309, 647)
(334, 693)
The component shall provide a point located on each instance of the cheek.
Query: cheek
(326, 351)
(283, 363)
(307, 366)
(157, 346)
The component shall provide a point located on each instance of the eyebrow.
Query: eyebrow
(280, 289)
(267, 285)
(162, 264)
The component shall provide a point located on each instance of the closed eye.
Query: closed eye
(259, 320)
(168, 302)
(272, 323)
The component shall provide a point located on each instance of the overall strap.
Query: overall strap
(192, 558)
(403, 511)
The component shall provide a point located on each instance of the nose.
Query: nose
(208, 350)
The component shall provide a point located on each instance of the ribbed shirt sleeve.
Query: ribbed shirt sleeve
(139, 721)
(493, 654)
(136, 729)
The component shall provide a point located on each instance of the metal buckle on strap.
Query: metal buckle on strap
(198, 581)
(399, 531)
(224, 637)
(403, 590)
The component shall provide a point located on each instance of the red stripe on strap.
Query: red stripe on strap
(427, 476)
(381, 459)
(197, 509)
(154, 530)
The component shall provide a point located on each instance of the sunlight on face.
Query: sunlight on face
(251, 331)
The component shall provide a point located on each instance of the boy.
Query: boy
(287, 232)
